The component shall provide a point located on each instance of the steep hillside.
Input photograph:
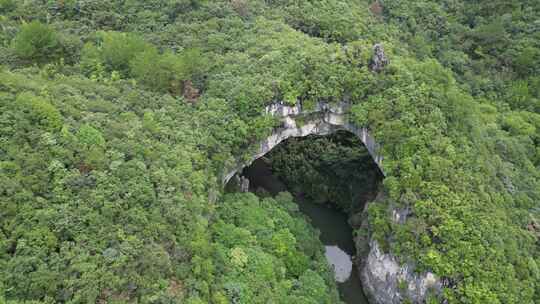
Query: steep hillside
(117, 119)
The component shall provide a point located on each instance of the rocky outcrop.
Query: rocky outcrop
(384, 279)
(297, 121)
(244, 184)
(238, 184)
(379, 59)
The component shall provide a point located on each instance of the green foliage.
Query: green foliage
(131, 56)
(40, 111)
(36, 42)
(517, 125)
(118, 49)
(109, 186)
(7, 5)
(267, 253)
(155, 70)
(114, 50)
(166, 72)
(426, 172)
(527, 61)
(66, 160)
(89, 136)
(339, 21)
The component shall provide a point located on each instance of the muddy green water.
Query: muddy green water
(336, 234)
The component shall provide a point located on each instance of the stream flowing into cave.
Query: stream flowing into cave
(336, 234)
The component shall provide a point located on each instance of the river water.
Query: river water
(336, 234)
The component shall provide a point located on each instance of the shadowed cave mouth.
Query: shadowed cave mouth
(331, 177)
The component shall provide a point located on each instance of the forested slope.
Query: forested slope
(117, 117)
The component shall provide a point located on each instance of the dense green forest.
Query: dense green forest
(117, 119)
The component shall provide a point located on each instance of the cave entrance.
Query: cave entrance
(331, 177)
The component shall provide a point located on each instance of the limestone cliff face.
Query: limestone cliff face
(384, 279)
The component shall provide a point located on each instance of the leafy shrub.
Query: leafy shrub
(166, 72)
(527, 60)
(89, 136)
(516, 124)
(129, 55)
(41, 111)
(7, 5)
(71, 46)
(114, 50)
(118, 49)
(36, 42)
(159, 72)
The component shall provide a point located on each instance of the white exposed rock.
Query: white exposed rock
(399, 216)
(244, 184)
(381, 276)
(289, 123)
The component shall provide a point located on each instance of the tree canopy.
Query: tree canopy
(117, 119)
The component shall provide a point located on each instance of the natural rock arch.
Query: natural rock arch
(381, 273)
(297, 121)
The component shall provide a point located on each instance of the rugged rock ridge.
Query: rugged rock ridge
(297, 121)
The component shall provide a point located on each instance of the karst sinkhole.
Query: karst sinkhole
(332, 178)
